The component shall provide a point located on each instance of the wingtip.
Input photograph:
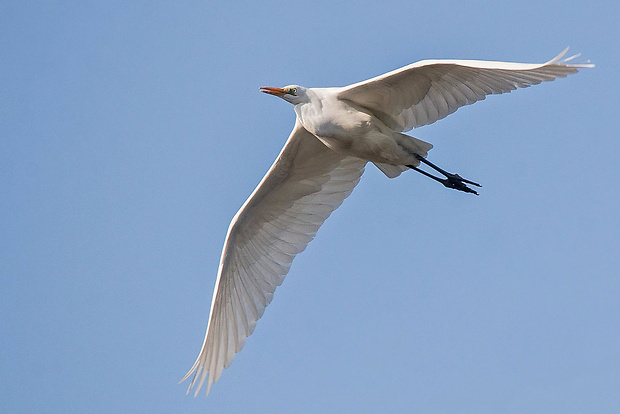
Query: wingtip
(558, 60)
(559, 56)
(186, 376)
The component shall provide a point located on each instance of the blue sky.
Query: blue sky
(131, 132)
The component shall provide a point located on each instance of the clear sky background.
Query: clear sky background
(131, 132)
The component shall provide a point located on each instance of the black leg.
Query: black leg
(447, 174)
(453, 181)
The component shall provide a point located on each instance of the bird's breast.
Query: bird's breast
(337, 125)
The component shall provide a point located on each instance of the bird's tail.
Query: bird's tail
(411, 145)
(391, 171)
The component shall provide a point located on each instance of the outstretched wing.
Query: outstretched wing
(426, 91)
(306, 183)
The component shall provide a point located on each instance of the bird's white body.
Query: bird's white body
(337, 131)
(352, 130)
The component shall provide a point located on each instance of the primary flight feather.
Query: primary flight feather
(337, 131)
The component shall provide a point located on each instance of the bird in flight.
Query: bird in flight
(337, 132)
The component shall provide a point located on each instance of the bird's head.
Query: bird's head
(294, 94)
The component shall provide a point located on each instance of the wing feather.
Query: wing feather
(426, 91)
(303, 187)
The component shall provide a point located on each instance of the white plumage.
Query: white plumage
(338, 130)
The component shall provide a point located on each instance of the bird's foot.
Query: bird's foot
(457, 182)
(453, 181)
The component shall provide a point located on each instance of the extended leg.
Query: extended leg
(454, 181)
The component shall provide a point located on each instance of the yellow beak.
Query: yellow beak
(273, 91)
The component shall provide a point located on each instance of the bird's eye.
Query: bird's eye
(294, 91)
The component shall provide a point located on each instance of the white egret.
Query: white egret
(337, 131)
